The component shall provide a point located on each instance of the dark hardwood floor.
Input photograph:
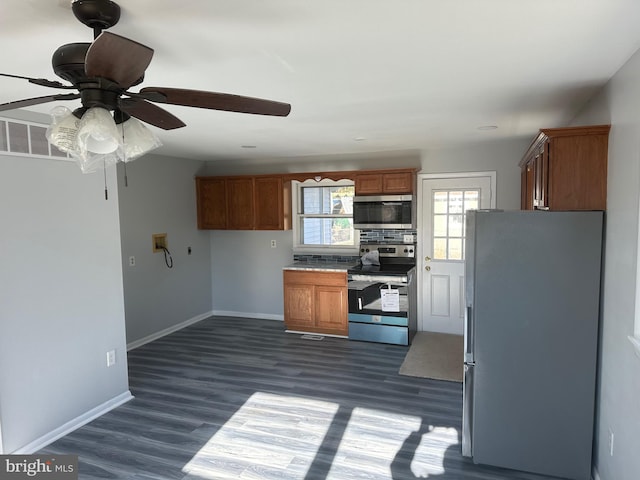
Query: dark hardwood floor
(232, 398)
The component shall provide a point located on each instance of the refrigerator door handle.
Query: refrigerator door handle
(468, 335)
(467, 411)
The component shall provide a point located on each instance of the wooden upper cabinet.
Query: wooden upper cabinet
(244, 203)
(272, 203)
(240, 203)
(211, 202)
(566, 169)
(385, 182)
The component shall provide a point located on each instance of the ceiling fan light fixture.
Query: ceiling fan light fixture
(137, 139)
(62, 133)
(97, 132)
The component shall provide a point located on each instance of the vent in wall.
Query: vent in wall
(19, 138)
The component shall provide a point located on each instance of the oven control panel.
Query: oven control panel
(390, 250)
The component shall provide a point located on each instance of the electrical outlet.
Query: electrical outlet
(408, 238)
(611, 442)
(273, 244)
(111, 358)
(132, 261)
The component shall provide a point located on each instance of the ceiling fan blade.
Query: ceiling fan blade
(27, 102)
(118, 59)
(218, 101)
(150, 113)
(40, 81)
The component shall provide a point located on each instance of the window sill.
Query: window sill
(635, 341)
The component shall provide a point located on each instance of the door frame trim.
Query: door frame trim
(492, 174)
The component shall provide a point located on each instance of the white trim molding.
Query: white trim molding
(260, 316)
(167, 331)
(74, 424)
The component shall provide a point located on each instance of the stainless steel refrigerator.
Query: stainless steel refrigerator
(531, 336)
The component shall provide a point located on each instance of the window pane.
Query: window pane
(455, 226)
(440, 248)
(440, 202)
(39, 143)
(327, 231)
(18, 138)
(439, 225)
(3, 136)
(471, 199)
(455, 249)
(327, 200)
(455, 202)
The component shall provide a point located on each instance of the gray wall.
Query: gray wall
(619, 376)
(160, 198)
(61, 305)
(249, 283)
(501, 157)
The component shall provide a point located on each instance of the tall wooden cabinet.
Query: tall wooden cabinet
(566, 169)
(316, 301)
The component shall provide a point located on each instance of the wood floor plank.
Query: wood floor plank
(233, 398)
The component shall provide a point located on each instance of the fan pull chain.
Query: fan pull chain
(124, 158)
(104, 169)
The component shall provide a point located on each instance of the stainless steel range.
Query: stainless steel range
(382, 294)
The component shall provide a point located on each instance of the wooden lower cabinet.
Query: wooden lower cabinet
(316, 301)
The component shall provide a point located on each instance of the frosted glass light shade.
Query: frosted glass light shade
(97, 133)
(63, 131)
(137, 139)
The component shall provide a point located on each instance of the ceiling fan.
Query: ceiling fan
(103, 71)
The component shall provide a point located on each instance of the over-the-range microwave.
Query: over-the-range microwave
(383, 211)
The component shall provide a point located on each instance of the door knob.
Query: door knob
(427, 259)
(428, 268)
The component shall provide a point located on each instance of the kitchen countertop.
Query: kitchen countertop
(320, 267)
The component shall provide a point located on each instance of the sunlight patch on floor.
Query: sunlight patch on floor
(384, 445)
(268, 434)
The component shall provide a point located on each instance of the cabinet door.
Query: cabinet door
(331, 309)
(541, 179)
(368, 184)
(578, 172)
(211, 203)
(240, 211)
(299, 309)
(401, 182)
(269, 203)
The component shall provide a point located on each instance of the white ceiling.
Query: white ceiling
(361, 75)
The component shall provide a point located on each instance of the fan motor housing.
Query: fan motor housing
(68, 62)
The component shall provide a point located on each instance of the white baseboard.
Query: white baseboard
(263, 316)
(74, 424)
(167, 331)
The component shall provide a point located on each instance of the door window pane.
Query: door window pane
(448, 221)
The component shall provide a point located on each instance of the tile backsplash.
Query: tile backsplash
(385, 235)
(366, 236)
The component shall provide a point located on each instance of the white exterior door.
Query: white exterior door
(443, 201)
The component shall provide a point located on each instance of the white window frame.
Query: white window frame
(296, 204)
